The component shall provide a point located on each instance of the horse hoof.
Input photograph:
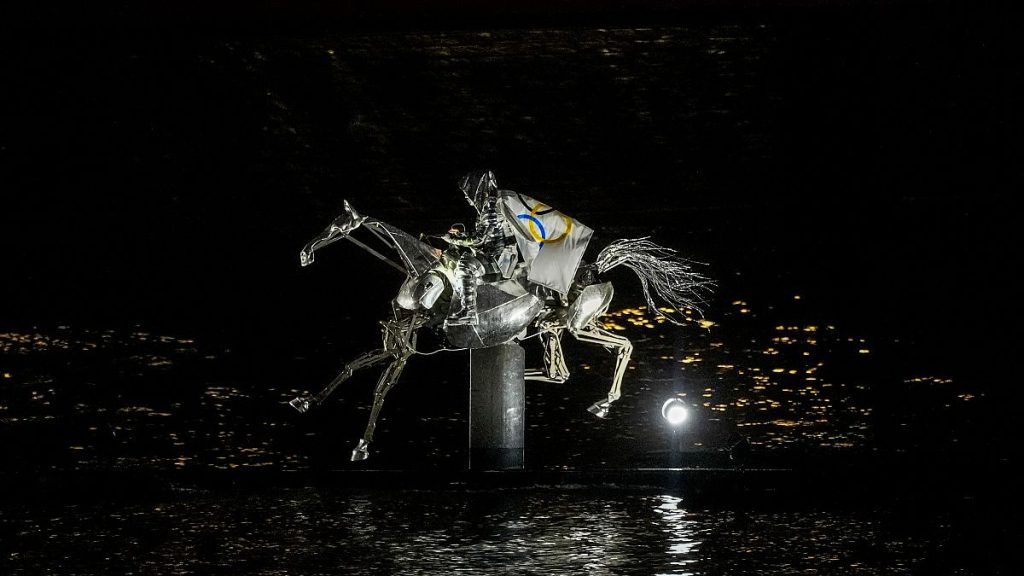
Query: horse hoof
(301, 404)
(361, 451)
(599, 409)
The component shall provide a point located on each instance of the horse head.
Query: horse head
(339, 228)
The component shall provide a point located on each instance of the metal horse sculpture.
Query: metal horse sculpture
(509, 309)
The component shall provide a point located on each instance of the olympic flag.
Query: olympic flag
(551, 242)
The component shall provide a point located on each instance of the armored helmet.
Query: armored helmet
(479, 187)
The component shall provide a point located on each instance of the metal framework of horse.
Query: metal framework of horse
(509, 308)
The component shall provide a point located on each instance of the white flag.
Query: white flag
(551, 242)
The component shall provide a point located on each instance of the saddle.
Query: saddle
(505, 308)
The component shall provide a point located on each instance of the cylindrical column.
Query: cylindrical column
(497, 407)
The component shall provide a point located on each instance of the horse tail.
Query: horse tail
(670, 277)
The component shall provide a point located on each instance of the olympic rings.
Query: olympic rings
(534, 220)
(535, 224)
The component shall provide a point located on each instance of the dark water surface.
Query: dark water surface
(792, 387)
(540, 530)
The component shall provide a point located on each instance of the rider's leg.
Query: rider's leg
(467, 274)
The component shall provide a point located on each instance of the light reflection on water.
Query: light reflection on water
(102, 399)
(681, 532)
(533, 531)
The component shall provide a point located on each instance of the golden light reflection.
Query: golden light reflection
(621, 320)
(785, 423)
(22, 343)
(783, 382)
(792, 399)
(928, 380)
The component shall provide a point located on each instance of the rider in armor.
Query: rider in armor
(490, 249)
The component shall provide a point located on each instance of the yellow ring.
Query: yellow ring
(536, 234)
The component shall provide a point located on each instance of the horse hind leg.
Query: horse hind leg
(554, 369)
(623, 349)
(303, 403)
(386, 382)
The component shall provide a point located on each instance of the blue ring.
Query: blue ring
(543, 233)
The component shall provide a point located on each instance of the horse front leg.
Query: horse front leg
(304, 403)
(623, 349)
(387, 380)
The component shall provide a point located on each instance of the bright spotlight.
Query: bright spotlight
(674, 410)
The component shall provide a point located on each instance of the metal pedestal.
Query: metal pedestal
(497, 407)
